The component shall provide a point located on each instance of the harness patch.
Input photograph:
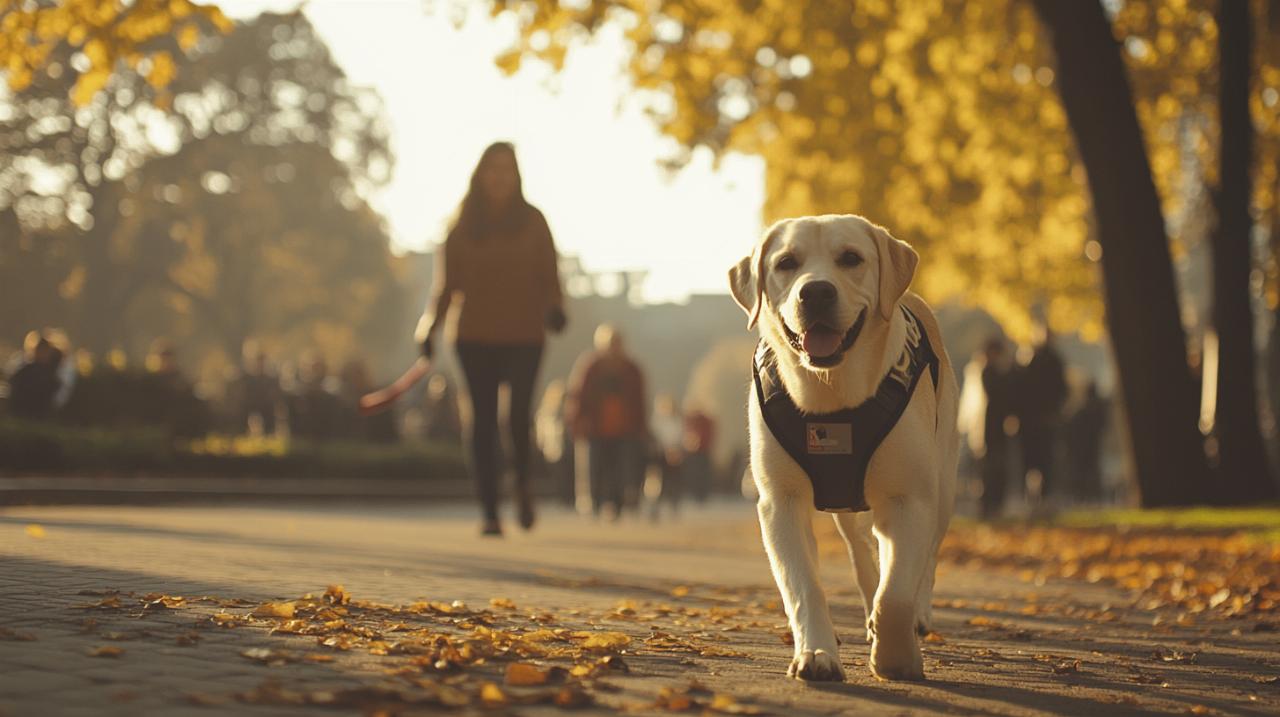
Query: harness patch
(834, 449)
(829, 438)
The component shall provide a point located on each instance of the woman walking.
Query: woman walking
(498, 265)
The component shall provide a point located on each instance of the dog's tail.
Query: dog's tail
(379, 401)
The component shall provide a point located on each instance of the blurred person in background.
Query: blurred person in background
(500, 260)
(699, 438)
(167, 398)
(356, 381)
(605, 411)
(1083, 437)
(162, 362)
(1041, 391)
(554, 441)
(999, 424)
(315, 411)
(667, 427)
(68, 367)
(35, 383)
(24, 353)
(256, 393)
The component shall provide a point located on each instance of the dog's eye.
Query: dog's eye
(849, 259)
(786, 262)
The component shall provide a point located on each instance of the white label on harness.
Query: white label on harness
(829, 438)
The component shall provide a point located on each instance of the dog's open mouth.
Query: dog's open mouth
(822, 345)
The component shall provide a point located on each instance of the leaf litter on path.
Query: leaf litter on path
(1226, 573)
(444, 653)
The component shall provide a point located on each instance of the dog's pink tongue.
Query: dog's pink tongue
(820, 342)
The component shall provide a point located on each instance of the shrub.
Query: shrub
(51, 449)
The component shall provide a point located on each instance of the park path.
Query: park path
(1004, 646)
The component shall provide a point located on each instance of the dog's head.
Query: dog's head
(813, 283)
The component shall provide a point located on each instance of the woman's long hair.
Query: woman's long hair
(475, 217)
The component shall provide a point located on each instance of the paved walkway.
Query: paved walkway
(1005, 647)
(203, 490)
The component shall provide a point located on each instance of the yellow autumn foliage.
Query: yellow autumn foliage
(108, 33)
(937, 118)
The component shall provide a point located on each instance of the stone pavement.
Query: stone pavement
(1005, 647)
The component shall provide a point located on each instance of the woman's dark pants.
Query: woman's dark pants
(486, 367)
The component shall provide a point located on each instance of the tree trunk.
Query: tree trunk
(1142, 305)
(1245, 476)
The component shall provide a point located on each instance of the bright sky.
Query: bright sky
(587, 151)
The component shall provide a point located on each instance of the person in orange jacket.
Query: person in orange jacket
(606, 411)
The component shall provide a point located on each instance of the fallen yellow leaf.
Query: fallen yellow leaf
(572, 697)
(523, 674)
(224, 619)
(673, 701)
(290, 626)
(275, 609)
(603, 640)
(35, 530)
(541, 635)
(726, 704)
(491, 694)
(1066, 667)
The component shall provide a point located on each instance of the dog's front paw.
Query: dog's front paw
(816, 666)
(896, 661)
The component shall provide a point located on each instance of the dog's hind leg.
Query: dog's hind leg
(924, 599)
(946, 505)
(855, 528)
(787, 529)
(904, 558)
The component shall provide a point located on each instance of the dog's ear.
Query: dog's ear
(746, 289)
(897, 265)
(746, 278)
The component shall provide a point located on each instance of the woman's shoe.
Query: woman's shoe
(491, 527)
(527, 516)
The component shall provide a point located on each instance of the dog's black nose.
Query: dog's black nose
(818, 295)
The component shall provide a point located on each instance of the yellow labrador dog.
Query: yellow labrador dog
(852, 411)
